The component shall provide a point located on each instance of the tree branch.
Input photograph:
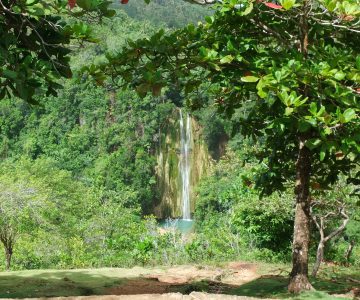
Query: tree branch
(202, 2)
(341, 227)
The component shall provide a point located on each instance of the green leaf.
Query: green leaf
(9, 74)
(303, 126)
(262, 94)
(322, 155)
(358, 62)
(215, 66)
(313, 108)
(349, 114)
(311, 121)
(230, 46)
(278, 76)
(249, 79)
(340, 75)
(287, 4)
(313, 143)
(85, 4)
(203, 51)
(209, 19)
(31, 2)
(323, 152)
(212, 54)
(288, 111)
(331, 5)
(248, 9)
(327, 131)
(226, 59)
(321, 111)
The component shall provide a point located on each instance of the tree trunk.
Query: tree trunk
(8, 255)
(349, 251)
(299, 280)
(319, 258)
(324, 239)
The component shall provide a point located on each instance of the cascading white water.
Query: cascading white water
(185, 135)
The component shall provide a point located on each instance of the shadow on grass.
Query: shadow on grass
(276, 287)
(56, 283)
(264, 287)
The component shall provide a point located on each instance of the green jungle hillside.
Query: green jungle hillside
(167, 134)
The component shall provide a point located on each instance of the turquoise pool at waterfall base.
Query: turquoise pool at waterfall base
(184, 226)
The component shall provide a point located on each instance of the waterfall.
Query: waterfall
(185, 135)
(182, 159)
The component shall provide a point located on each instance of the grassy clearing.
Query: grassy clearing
(271, 284)
(49, 283)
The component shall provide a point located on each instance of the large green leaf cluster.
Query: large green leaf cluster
(36, 36)
(253, 57)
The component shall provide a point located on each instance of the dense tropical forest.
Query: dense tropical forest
(111, 123)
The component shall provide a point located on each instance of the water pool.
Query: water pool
(182, 225)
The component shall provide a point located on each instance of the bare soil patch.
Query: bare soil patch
(144, 286)
(186, 279)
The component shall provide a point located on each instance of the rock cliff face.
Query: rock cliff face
(168, 166)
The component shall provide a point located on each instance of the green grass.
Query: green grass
(316, 295)
(50, 283)
(276, 287)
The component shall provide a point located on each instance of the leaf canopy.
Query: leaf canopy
(257, 60)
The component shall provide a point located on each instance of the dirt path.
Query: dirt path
(186, 279)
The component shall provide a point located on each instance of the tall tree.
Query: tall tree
(292, 69)
(20, 206)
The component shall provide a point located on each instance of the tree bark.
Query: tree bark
(299, 280)
(8, 256)
(324, 239)
(349, 251)
(319, 258)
